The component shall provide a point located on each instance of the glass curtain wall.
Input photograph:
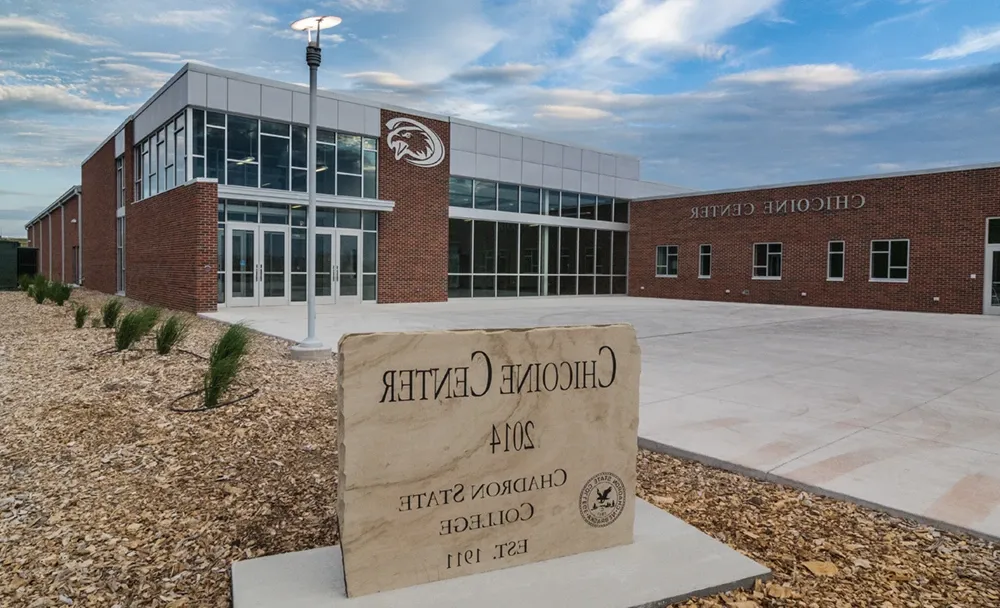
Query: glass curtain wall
(161, 159)
(295, 215)
(510, 259)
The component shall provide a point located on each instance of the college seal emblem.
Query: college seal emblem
(414, 142)
(602, 499)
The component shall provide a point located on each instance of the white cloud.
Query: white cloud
(187, 19)
(373, 6)
(16, 27)
(799, 77)
(387, 80)
(511, 72)
(972, 42)
(50, 97)
(128, 78)
(571, 113)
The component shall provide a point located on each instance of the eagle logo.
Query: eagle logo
(414, 142)
(602, 500)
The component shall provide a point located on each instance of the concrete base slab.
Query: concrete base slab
(669, 562)
(304, 352)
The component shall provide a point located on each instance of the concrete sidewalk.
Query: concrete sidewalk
(899, 410)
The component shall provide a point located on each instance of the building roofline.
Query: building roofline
(108, 138)
(65, 196)
(857, 178)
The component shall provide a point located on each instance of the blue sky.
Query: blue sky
(710, 93)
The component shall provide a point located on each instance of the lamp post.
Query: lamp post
(311, 348)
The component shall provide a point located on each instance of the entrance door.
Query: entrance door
(338, 266)
(992, 296)
(257, 265)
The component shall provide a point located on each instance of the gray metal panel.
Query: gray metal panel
(571, 180)
(606, 185)
(608, 165)
(463, 163)
(300, 109)
(463, 138)
(218, 93)
(170, 102)
(244, 97)
(628, 168)
(351, 117)
(572, 158)
(487, 167)
(373, 121)
(487, 142)
(591, 161)
(553, 155)
(624, 188)
(197, 89)
(531, 173)
(533, 151)
(552, 177)
(589, 182)
(510, 146)
(510, 170)
(326, 112)
(276, 104)
(119, 143)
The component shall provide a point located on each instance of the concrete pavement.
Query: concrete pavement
(899, 410)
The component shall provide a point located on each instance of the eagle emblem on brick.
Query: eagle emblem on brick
(414, 142)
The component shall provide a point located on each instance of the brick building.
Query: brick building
(924, 241)
(55, 232)
(198, 201)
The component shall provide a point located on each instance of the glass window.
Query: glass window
(567, 286)
(241, 139)
(588, 207)
(552, 237)
(619, 259)
(552, 202)
(169, 174)
(994, 232)
(160, 179)
(567, 252)
(216, 119)
(604, 252)
(621, 211)
(508, 198)
(507, 286)
(605, 208)
(531, 258)
(326, 217)
(531, 200)
(298, 215)
(835, 261)
(585, 285)
(570, 205)
(273, 214)
(705, 262)
(199, 132)
(349, 156)
(667, 260)
(199, 166)
(587, 251)
(181, 163)
(370, 159)
(460, 286)
(145, 170)
(602, 286)
(529, 285)
(486, 195)
(274, 128)
(460, 192)
(349, 185)
(274, 169)
(326, 177)
(300, 146)
(369, 220)
(215, 154)
(324, 136)
(299, 177)
(370, 260)
(241, 211)
(767, 260)
(222, 211)
(369, 289)
(299, 257)
(241, 173)
(349, 218)
(484, 247)
(507, 253)
(891, 260)
(484, 287)
(619, 285)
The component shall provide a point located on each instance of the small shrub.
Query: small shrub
(148, 318)
(170, 333)
(134, 326)
(110, 312)
(80, 314)
(24, 282)
(39, 288)
(95, 322)
(58, 293)
(224, 363)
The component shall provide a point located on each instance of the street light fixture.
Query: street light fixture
(311, 348)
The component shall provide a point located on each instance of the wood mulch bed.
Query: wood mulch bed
(110, 499)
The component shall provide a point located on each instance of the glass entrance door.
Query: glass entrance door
(992, 296)
(325, 265)
(348, 267)
(257, 267)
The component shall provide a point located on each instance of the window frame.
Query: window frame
(829, 261)
(666, 266)
(889, 266)
(767, 258)
(701, 256)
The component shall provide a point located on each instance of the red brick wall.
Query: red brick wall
(99, 207)
(170, 246)
(413, 238)
(943, 215)
(57, 243)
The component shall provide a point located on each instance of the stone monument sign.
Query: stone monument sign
(467, 451)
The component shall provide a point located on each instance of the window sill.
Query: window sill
(666, 276)
(888, 280)
(829, 280)
(766, 278)
(701, 276)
